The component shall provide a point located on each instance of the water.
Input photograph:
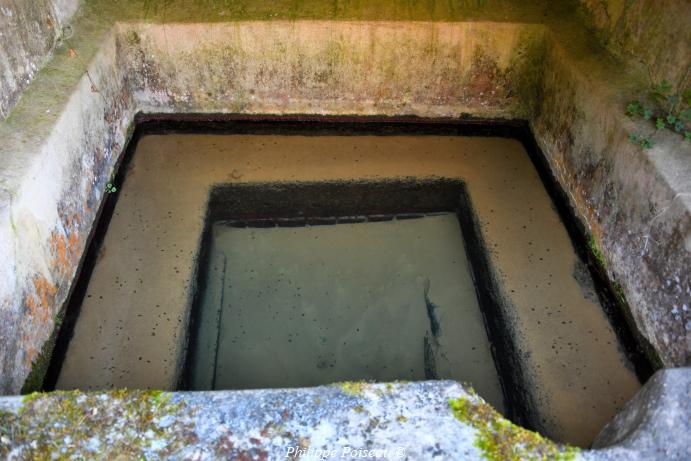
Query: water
(304, 306)
(133, 326)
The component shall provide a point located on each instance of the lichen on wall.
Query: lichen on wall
(116, 424)
(327, 422)
(52, 223)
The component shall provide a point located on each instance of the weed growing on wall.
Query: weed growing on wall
(664, 107)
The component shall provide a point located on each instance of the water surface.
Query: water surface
(304, 306)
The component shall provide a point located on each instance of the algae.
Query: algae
(597, 254)
(225, 10)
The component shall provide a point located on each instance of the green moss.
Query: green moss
(13, 225)
(619, 292)
(623, 306)
(597, 253)
(76, 425)
(28, 398)
(644, 344)
(500, 440)
(240, 100)
(234, 10)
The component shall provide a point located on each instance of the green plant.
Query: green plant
(110, 188)
(666, 108)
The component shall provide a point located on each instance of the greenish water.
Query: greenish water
(303, 306)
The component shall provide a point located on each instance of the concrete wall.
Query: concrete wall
(635, 202)
(28, 31)
(50, 206)
(653, 32)
(430, 69)
(64, 136)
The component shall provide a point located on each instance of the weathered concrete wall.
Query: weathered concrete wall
(28, 31)
(654, 424)
(653, 32)
(628, 197)
(430, 69)
(468, 68)
(634, 201)
(51, 198)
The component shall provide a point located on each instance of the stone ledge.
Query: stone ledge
(656, 421)
(424, 420)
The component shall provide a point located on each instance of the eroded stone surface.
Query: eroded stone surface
(422, 421)
(634, 220)
(413, 420)
(657, 422)
(645, 30)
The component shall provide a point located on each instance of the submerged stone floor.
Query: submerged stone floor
(310, 305)
(440, 420)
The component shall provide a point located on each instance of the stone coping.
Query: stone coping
(418, 421)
